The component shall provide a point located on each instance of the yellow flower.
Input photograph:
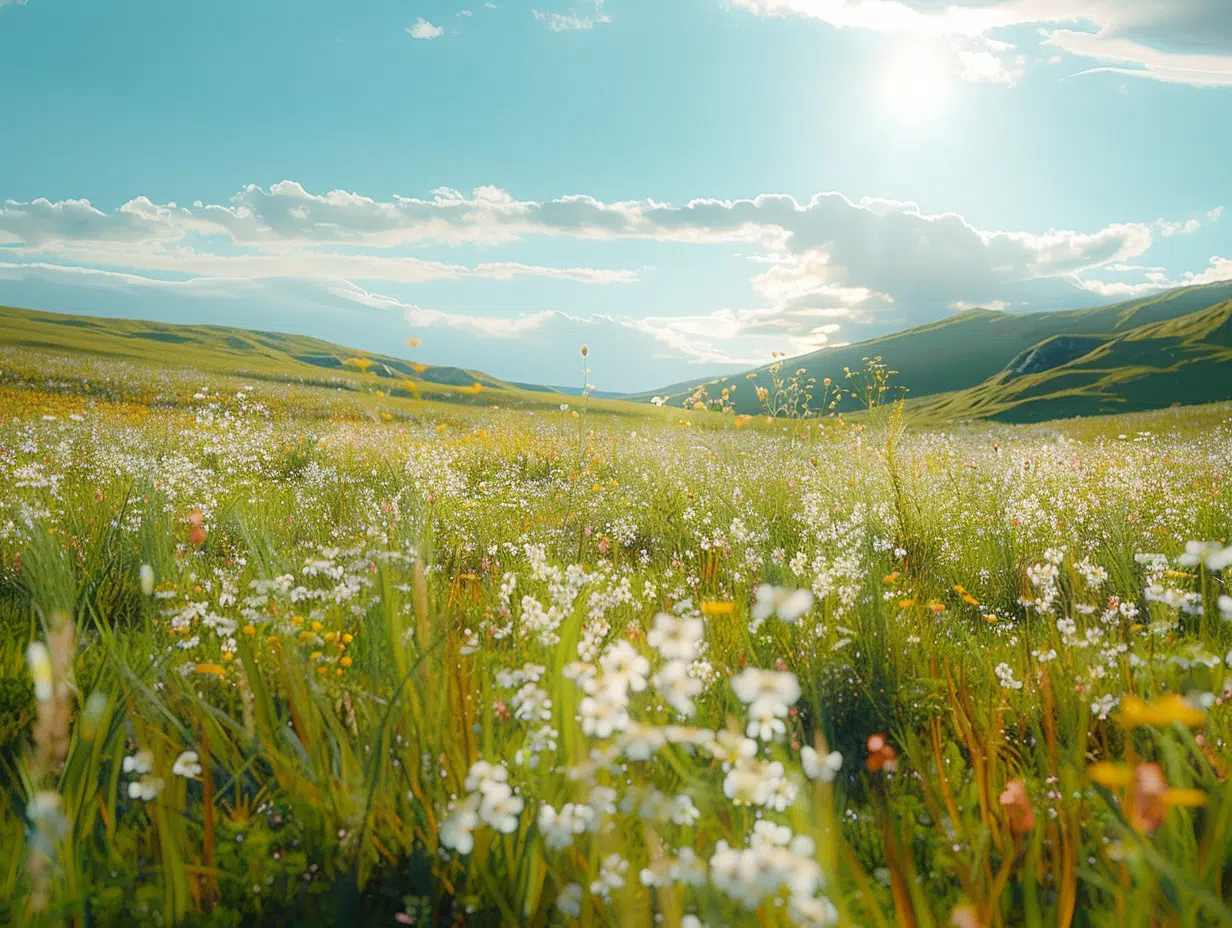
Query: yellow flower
(1113, 776)
(217, 669)
(906, 603)
(250, 630)
(345, 662)
(715, 607)
(1185, 798)
(1167, 709)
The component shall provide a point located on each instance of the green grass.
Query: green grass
(1156, 351)
(371, 605)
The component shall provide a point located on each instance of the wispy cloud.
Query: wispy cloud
(1179, 41)
(572, 21)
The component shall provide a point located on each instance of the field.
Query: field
(280, 651)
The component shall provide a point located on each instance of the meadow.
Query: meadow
(283, 653)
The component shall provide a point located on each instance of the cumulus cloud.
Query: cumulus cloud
(1179, 41)
(815, 265)
(424, 30)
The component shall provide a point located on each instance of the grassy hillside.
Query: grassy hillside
(270, 356)
(1170, 362)
(971, 350)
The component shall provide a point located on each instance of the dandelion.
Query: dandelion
(147, 579)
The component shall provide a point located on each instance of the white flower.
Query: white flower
(558, 828)
(764, 722)
(39, 659)
(187, 766)
(145, 789)
(500, 807)
(140, 763)
(611, 875)
(751, 782)
(456, 828)
(1198, 551)
(605, 712)
(676, 638)
(787, 603)
(482, 774)
(570, 900)
(676, 686)
(769, 693)
(821, 768)
(732, 748)
(621, 662)
(147, 579)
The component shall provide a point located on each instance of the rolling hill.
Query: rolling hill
(1170, 348)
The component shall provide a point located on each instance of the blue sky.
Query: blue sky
(687, 186)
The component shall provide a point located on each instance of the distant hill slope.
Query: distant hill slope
(981, 363)
(243, 352)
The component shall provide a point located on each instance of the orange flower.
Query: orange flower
(196, 527)
(1017, 806)
(965, 916)
(1144, 805)
(880, 755)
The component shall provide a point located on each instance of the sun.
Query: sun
(916, 82)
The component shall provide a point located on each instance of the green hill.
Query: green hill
(1139, 354)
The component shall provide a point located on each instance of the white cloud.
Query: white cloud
(998, 306)
(491, 326)
(984, 67)
(820, 263)
(424, 30)
(1155, 280)
(1177, 41)
(1199, 70)
(571, 21)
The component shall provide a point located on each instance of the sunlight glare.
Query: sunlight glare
(916, 81)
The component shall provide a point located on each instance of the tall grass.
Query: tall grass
(269, 668)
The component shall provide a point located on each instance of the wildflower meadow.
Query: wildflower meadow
(286, 653)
